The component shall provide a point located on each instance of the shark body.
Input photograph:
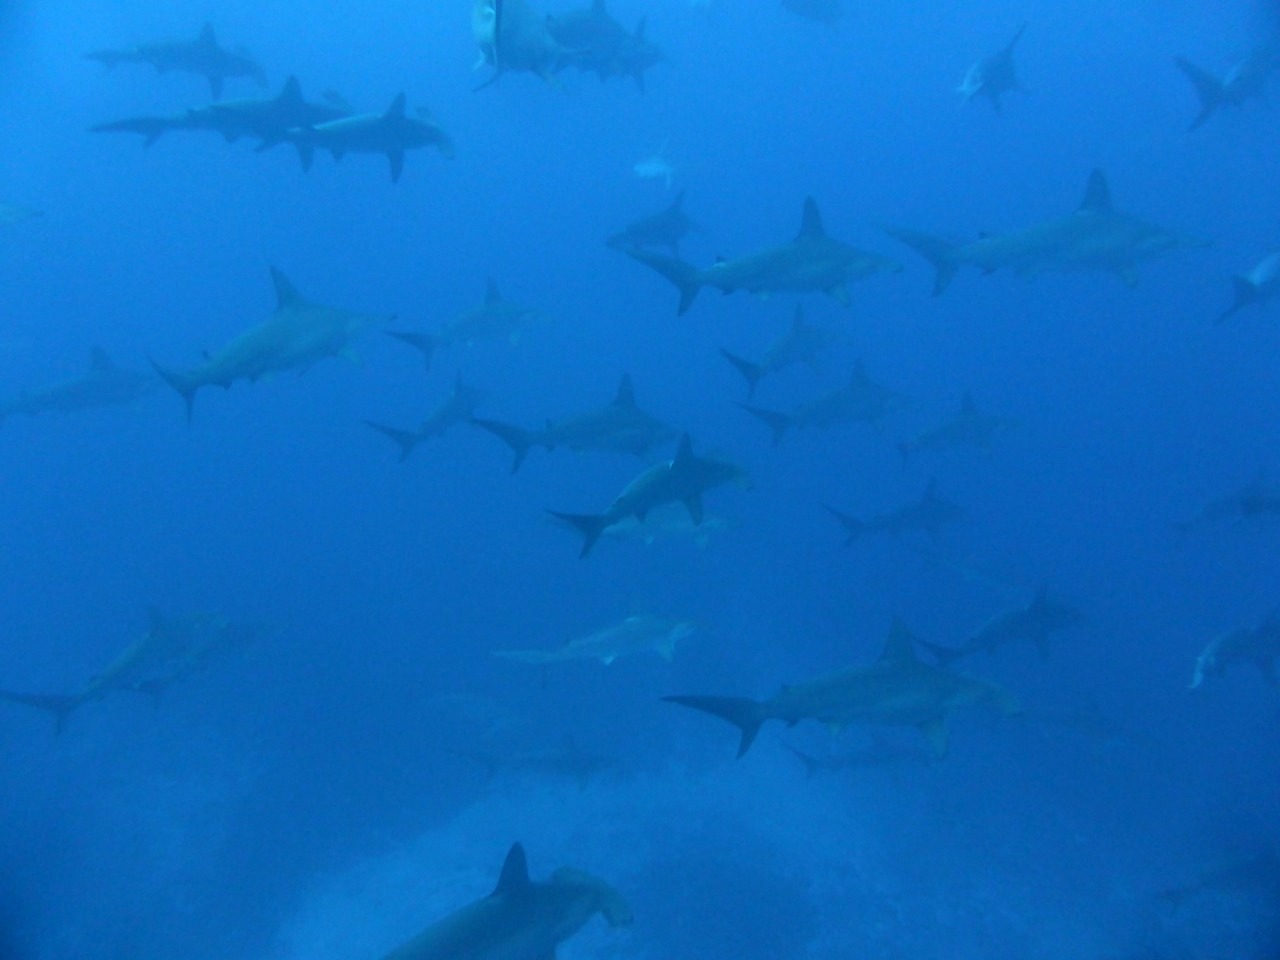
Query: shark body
(104, 384)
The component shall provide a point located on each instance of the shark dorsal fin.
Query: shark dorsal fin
(207, 37)
(99, 361)
(491, 294)
(291, 92)
(811, 221)
(626, 396)
(515, 873)
(967, 407)
(1097, 195)
(396, 110)
(286, 293)
(899, 647)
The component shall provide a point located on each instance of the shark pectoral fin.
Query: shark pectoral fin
(694, 506)
(935, 732)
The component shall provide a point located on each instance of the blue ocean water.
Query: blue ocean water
(360, 768)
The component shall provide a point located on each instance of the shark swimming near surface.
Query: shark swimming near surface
(1257, 286)
(458, 407)
(860, 400)
(1245, 80)
(898, 689)
(201, 56)
(812, 262)
(637, 634)
(683, 479)
(495, 318)
(1093, 238)
(993, 76)
(1257, 645)
(803, 343)
(298, 335)
(104, 384)
(666, 228)
(929, 514)
(521, 919)
(620, 426)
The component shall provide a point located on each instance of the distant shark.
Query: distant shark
(1258, 498)
(568, 761)
(637, 634)
(1254, 875)
(103, 385)
(829, 13)
(495, 318)
(803, 342)
(1255, 287)
(683, 479)
(928, 514)
(1258, 645)
(201, 56)
(1095, 237)
(1244, 81)
(656, 166)
(968, 428)
(595, 42)
(898, 689)
(170, 650)
(1033, 623)
(392, 132)
(860, 400)
(620, 426)
(521, 919)
(666, 228)
(15, 213)
(514, 38)
(993, 75)
(296, 337)
(267, 119)
(458, 407)
(812, 262)
(669, 522)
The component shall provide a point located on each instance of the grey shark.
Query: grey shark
(170, 650)
(668, 523)
(594, 42)
(1245, 80)
(1258, 498)
(103, 385)
(201, 56)
(803, 342)
(495, 318)
(1257, 286)
(392, 132)
(296, 337)
(267, 119)
(970, 427)
(993, 76)
(929, 515)
(514, 38)
(829, 13)
(860, 400)
(1255, 875)
(1258, 645)
(1033, 623)
(683, 479)
(458, 407)
(521, 920)
(898, 689)
(812, 262)
(666, 228)
(638, 634)
(620, 426)
(1094, 238)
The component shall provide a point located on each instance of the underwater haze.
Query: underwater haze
(883, 393)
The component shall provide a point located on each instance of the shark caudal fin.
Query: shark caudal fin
(184, 382)
(685, 276)
(1246, 292)
(1208, 88)
(406, 440)
(520, 440)
(853, 527)
(940, 253)
(751, 372)
(590, 525)
(746, 715)
(60, 705)
(424, 343)
(778, 422)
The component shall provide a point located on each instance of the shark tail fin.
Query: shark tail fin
(185, 383)
(60, 705)
(751, 372)
(683, 275)
(744, 714)
(1208, 89)
(1246, 292)
(406, 440)
(778, 422)
(590, 525)
(853, 527)
(520, 440)
(424, 343)
(940, 253)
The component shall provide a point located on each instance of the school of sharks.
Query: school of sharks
(824, 462)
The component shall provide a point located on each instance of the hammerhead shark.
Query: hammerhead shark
(970, 427)
(104, 384)
(1257, 645)
(666, 228)
(639, 633)
(521, 920)
(1256, 286)
(593, 41)
(392, 132)
(993, 75)
(1245, 80)
(803, 343)
(930, 514)
(898, 689)
(513, 37)
(860, 400)
(201, 56)
(458, 407)
(495, 318)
